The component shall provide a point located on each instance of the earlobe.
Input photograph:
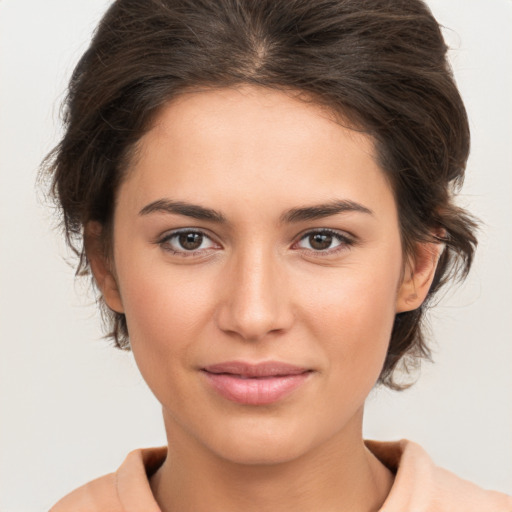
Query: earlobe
(418, 276)
(101, 267)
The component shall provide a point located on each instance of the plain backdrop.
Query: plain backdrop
(72, 407)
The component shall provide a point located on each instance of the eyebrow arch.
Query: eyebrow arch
(323, 210)
(294, 215)
(181, 208)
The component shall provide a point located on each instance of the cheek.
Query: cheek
(166, 316)
(165, 312)
(160, 306)
(353, 317)
(159, 298)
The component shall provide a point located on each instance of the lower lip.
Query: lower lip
(255, 391)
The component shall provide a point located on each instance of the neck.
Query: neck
(340, 475)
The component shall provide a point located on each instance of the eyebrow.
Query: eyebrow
(181, 208)
(291, 216)
(323, 210)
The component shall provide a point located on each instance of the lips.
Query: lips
(255, 384)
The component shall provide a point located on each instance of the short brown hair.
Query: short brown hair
(381, 64)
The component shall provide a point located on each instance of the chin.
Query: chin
(260, 442)
(261, 452)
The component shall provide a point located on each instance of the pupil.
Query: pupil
(320, 241)
(191, 241)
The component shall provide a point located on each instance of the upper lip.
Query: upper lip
(264, 369)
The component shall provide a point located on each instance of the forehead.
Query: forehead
(241, 112)
(247, 142)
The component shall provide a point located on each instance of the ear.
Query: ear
(101, 266)
(418, 275)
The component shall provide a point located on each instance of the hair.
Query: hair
(380, 64)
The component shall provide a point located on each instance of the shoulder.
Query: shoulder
(98, 495)
(422, 486)
(126, 489)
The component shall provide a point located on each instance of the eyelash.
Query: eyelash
(345, 242)
(166, 239)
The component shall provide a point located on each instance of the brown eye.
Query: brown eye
(325, 241)
(190, 241)
(187, 243)
(320, 241)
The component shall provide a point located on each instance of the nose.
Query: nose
(255, 297)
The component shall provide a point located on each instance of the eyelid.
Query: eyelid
(346, 241)
(168, 235)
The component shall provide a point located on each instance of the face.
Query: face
(258, 261)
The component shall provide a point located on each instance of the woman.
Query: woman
(263, 194)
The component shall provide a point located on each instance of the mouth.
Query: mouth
(255, 384)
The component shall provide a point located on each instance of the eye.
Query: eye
(187, 242)
(324, 240)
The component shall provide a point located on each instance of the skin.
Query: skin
(257, 290)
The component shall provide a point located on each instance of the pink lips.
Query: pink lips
(255, 384)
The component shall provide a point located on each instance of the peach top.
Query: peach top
(419, 486)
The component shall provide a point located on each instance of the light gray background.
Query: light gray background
(72, 408)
